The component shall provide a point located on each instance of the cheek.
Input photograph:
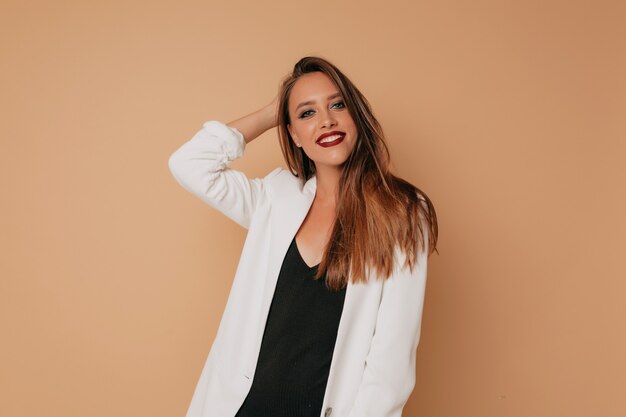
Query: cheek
(349, 122)
(306, 131)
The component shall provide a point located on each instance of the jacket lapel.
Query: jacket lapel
(292, 204)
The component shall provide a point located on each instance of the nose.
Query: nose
(327, 119)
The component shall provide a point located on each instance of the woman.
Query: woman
(324, 313)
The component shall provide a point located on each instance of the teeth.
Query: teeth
(330, 138)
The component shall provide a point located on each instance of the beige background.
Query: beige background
(509, 114)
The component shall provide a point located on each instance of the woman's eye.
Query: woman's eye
(337, 105)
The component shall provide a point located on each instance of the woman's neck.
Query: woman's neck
(327, 182)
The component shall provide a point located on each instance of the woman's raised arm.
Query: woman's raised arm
(258, 122)
(201, 165)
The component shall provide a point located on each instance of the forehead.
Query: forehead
(313, 86)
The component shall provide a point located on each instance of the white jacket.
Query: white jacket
(372, 372)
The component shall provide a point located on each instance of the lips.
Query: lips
(330, 138)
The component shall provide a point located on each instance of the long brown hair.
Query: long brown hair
(376, 211)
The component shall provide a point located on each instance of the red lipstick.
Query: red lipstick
(334, 138)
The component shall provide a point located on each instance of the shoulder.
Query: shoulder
(282, 178)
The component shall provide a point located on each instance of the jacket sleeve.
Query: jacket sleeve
(201, 166)
(389, 375)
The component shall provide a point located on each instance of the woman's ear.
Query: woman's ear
(295, 138)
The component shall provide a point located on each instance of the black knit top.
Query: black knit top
(297, 346)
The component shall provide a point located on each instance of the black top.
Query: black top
(298, 343)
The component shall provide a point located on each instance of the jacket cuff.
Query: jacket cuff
(233, 143)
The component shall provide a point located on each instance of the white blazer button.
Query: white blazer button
(328, 411)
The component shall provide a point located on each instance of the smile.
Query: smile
(331, 139)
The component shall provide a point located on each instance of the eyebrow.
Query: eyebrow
(304, 103)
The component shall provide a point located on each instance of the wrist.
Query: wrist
(269, 115)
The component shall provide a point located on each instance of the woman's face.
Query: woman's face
(317, 109)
